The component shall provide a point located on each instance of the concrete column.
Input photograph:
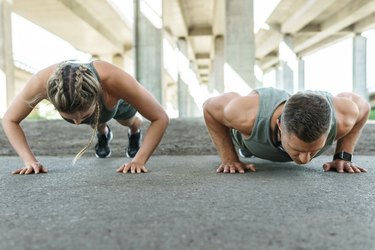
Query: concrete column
(217, 82)
(284, 77)
(287, 65)
(301, 74)
(182, 87)
(194, 110)
(148, 53)
(211, 76)
(359, 66)
(239, 39)
(7, 82)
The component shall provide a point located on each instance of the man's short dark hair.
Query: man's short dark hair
(306, 115)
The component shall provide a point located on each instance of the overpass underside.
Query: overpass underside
(184, 51)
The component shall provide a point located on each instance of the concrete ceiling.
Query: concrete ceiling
(96, 27)
(312, 25)
(91, 26)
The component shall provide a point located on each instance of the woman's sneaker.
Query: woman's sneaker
(102, 149)
(134, 144)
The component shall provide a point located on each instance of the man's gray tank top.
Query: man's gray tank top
(259, 143)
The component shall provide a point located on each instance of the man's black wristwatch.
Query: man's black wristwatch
(342, 155)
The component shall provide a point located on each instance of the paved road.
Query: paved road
(183, 204)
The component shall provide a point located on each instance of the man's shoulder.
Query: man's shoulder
(344, 104)
(242, 111)
(346, 113)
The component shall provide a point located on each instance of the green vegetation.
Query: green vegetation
(372, 114)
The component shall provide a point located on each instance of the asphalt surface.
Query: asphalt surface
(183, 204)
(183, 137)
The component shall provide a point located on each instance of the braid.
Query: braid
(93, 126)
(56, 87)
(73, 87)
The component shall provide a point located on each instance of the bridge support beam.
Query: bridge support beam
(148, 45)
(359, 66)
(7, 82)
(239, 40)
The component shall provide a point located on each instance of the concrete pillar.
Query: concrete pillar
(359, 66)
(217, 82)
(287, 65)
(182, 87)
(301, 74)
(239, 39)
(148, 53)
(7, 82)
(194, 110)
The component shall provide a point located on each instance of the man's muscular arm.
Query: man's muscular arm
(219, 126)
(352, 111)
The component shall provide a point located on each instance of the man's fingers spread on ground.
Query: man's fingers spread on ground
(43, 170)
(362, 169)
(348, 168)
(356, 169)
(126, 168)
(17, 171)
(23, 171)
(132, 169)
(120, 169)
(251, 167)
(220, 169)
(340, 169)
(326, 167)
(36, 169)
(29, 170)
(144, 169)
(232, 169)
(238, 168)
(226, 169)
(139, 170)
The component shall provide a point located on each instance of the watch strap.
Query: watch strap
(342, 155)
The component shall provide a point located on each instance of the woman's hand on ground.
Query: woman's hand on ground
(33, 168)
(235, 167)
(132, 167)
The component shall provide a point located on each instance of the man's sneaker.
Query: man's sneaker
(134, 144)
(102, 149)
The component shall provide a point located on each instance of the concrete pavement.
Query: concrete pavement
(183, 204)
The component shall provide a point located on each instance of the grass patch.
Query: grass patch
(372, 114)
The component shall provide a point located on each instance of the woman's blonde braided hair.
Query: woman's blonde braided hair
(75, 88)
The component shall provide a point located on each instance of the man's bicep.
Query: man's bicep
(215, 107)
(361, 106)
